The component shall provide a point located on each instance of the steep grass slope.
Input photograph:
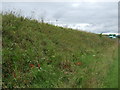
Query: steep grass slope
(42, 55)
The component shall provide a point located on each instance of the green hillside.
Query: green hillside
(41, 55)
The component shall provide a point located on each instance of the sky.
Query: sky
(95, 17)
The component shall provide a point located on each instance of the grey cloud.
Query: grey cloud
(102, 16)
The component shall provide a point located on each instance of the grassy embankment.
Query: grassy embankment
(41, 55)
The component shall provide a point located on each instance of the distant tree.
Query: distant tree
(118, 36)
(110, 34)
(100, 34)
(114, 35)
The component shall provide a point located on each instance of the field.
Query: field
(40, 55)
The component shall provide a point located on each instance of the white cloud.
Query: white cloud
(93, 17)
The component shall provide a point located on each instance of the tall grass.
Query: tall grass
(41, 55)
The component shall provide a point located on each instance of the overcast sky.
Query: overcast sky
(96, 17)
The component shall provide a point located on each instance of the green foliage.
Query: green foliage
(100, 34)
(67, 57)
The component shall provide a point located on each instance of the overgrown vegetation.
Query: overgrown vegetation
(40, 55)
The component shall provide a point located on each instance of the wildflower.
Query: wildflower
(38, 65)
(78, 63)
(53, 56)
(65, 72)
(96, 73)
(31, 65)
(43, 58)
